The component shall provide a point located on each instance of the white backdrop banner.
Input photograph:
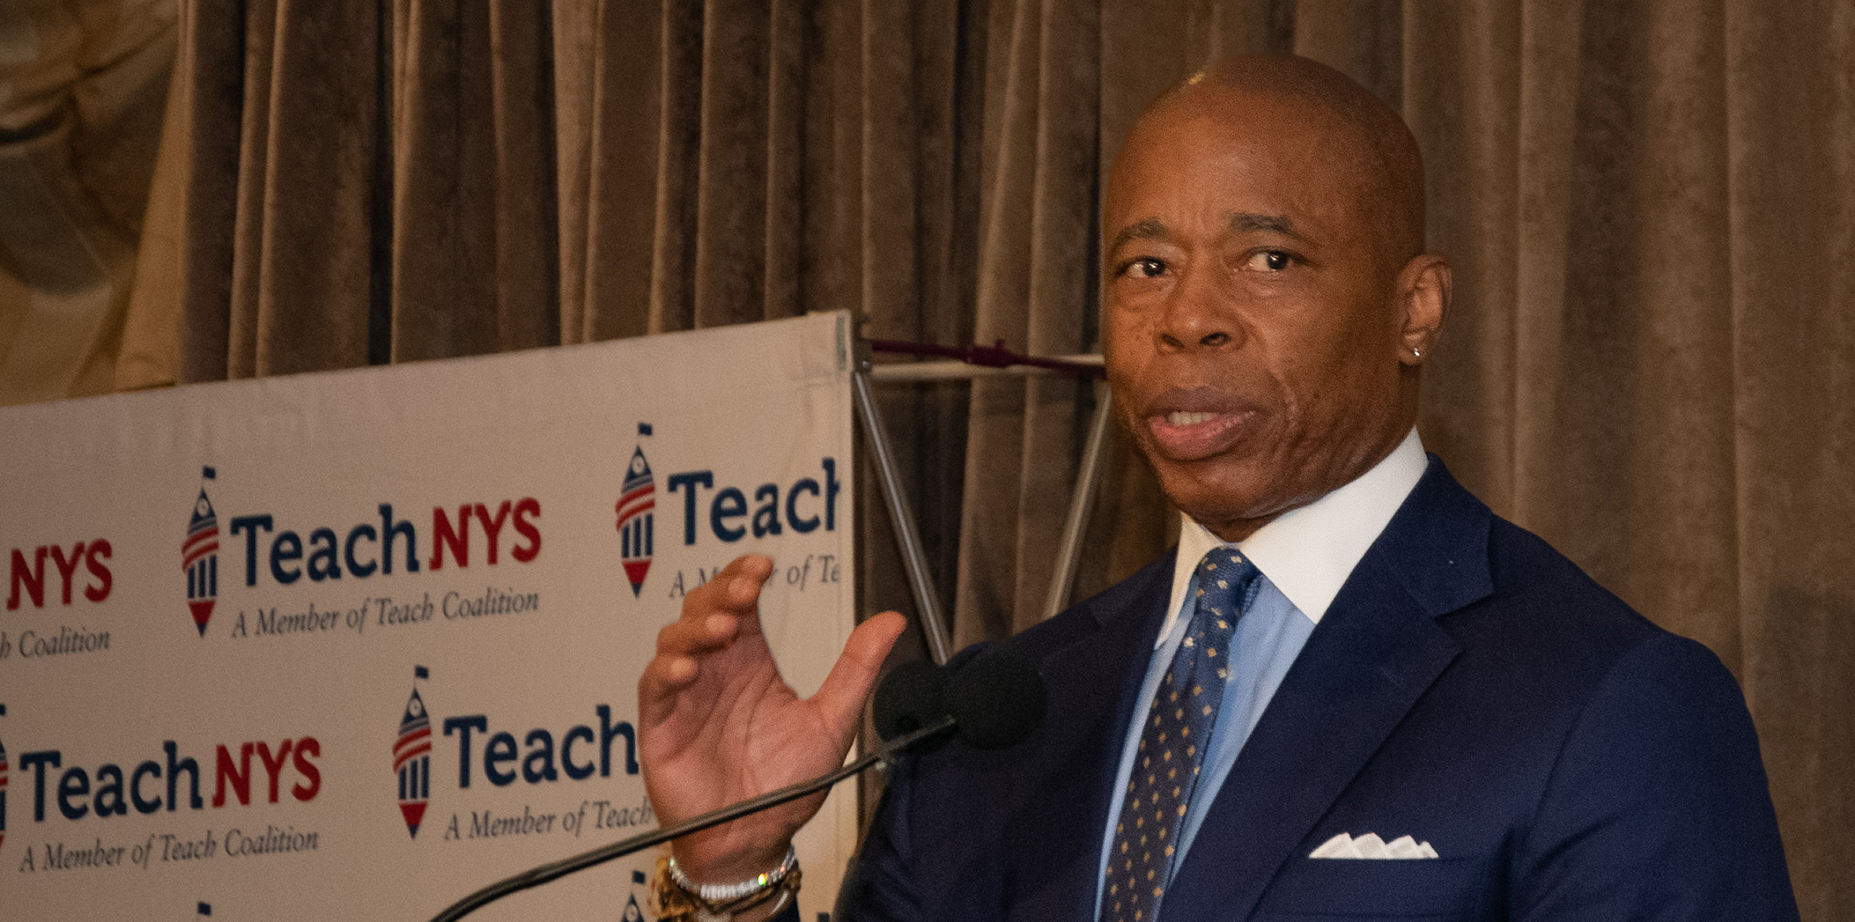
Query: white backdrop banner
(351, 645)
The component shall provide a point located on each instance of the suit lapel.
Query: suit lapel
(1375, 653)
(1053, 844)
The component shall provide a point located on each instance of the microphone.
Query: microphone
(996, 699)
(992, 701)
(912, 696)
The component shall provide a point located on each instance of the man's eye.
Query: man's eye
(1145, 268)
(1268, 261)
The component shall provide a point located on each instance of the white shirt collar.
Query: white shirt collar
(1308, 552)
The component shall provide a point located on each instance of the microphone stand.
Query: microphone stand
(541, 875)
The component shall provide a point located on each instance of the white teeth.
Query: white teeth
(1181, 418)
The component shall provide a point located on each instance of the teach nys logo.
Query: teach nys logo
(479, 748)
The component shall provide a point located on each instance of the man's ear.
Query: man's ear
(1423, 299)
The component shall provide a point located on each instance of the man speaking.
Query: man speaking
(1350, 691)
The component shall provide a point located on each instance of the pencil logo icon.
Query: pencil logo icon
(636, 518)
(412, 756)
(199, 556)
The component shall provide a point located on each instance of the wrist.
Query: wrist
(715, 892)
(712, 868)
(680, 898)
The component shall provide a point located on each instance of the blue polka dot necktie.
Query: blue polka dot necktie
(1173, 741)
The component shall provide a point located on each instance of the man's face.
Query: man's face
(1252, 320)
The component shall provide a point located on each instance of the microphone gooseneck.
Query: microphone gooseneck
(541, 875)
(994, 700)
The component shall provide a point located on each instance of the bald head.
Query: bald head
(1362, 139)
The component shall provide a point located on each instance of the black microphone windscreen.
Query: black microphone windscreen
(912, 696)
(997, 697)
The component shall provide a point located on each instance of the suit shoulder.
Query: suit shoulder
(1555, 641)
(1551, 633)
(1546, 593)
(1505, 594)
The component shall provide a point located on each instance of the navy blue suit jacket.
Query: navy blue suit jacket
(1469, 687)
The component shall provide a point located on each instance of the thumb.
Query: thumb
(840, 699)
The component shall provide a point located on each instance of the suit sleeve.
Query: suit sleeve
(878, 885)
(1657, 808)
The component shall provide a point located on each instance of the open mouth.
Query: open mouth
(1189, 435)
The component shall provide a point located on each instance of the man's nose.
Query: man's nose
(1198, 315)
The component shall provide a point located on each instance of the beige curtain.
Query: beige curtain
(1653, 359)
(81, 89)
(1650, 207)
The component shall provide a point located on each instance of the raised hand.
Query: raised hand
(717, 724)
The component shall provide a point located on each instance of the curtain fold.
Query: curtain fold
(1036, 287)
(81, 90)
(1648, 363)
(1650, 208)
(1789, 144)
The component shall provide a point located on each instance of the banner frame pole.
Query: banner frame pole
(901, 515)
(1081, 506)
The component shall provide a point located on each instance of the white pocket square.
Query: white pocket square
(1371, 846)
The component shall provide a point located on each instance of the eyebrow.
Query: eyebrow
(1148, 229)
(1248, 222)
(1241, 222)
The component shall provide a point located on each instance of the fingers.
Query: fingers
(840, 698)
(716, 611)
(714, 615)
(736, 589)
(697, 633)
(662, 676)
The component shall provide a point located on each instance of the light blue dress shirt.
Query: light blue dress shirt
(1311, 551)
(1268, 638)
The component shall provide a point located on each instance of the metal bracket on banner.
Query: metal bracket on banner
(967, 363)
(901, 513)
